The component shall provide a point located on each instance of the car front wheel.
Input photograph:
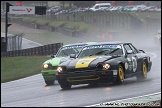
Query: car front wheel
(64, 84)
(143, 74)
(120, 75)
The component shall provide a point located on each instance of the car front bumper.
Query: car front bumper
(88, 77)
(49, 75)
(149, 66)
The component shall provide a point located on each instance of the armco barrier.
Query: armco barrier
(42, 50)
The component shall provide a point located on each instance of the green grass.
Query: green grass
(13, 68)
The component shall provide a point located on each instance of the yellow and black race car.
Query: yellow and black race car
(102, 63)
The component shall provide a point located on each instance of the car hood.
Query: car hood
(56, 61)
(86, 61)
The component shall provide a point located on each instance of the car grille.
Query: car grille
(83, 78)
(54, 67)
(82, 70)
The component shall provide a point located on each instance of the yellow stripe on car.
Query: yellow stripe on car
(84, 62)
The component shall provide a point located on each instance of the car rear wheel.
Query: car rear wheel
(120, 75)
(143, 74)
(64, 84)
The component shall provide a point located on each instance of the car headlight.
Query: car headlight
(106, 66)
(47, 66)
(103, 66)
(59, 69)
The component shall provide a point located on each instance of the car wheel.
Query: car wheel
(64, 84)
(49, 82)
(143, 74)
(120, 75)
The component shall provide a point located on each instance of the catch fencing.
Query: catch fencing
(14, 42)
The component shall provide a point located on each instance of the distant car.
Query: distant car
(49, 67)
(159, 10)
(116, 8)
(102, 63)
(128, 8)
(100, 6)
(137, 8)
(153, 9)
(53, 9)
(147, 8)
(157, 38)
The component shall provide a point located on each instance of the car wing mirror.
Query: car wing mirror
(129, 52)
(72, 55)
(141, 51)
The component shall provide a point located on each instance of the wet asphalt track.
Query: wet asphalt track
(32, 91)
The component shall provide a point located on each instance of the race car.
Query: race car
(157, 38)
(104, 62)
(49, 67)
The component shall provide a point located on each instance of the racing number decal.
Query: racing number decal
(129, 64)
(126, 65)
(134, 63)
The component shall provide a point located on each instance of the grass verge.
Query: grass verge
(13, 68)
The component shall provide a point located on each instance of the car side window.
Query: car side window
(133, 49)
(127, 47)
(117, 51)
(96, 7)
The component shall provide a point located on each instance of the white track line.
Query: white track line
(33, 42)
(128, 100)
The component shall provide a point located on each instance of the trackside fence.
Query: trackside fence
(14, 42)
(36, 51)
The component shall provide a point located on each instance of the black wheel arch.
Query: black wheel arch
(146, 61)
(122, 64)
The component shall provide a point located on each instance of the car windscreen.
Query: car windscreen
(67, 50)
(101, 50)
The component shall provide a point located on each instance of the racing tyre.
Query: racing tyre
(64, 84)
(49, 82)
(120, 75)
(143, 74)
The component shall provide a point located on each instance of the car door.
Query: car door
(132, 60)
(138, 56)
